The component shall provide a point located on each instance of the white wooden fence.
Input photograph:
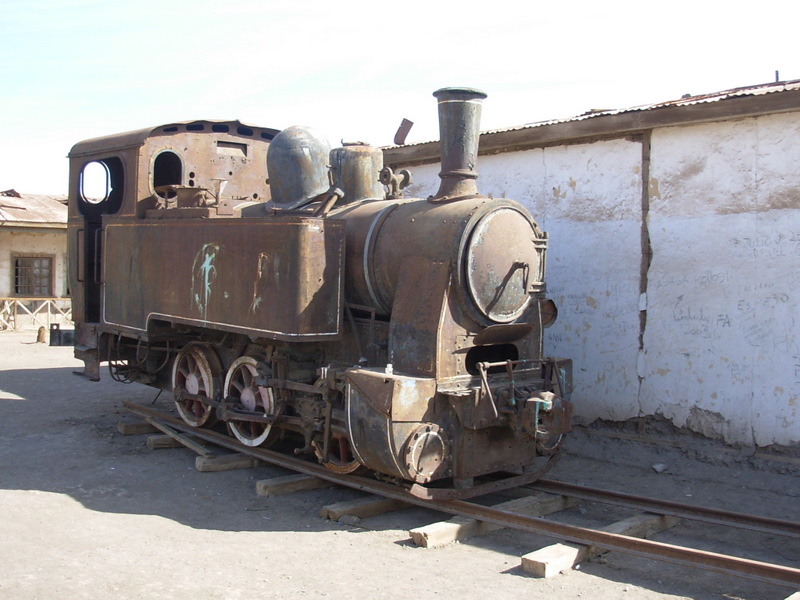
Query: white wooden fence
(32, 313)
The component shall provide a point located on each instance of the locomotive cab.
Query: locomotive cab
(172, 171)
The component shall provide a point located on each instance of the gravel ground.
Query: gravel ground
(89, 513)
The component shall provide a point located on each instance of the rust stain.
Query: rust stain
(691, 169)
(779, 199)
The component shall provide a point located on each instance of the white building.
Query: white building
(674, 254)
(33, 260)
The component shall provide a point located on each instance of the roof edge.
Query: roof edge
(137, 137)
(737, 103)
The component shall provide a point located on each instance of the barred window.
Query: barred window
(33, 276)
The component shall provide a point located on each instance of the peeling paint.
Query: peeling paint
(653, 188)
(710, 423)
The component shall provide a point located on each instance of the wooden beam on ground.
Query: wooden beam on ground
(226, 462)
(362, 508)
(459, 528)
(158, 442)
(552, 560)
(186, 441)
(135, 428)
(289, 484)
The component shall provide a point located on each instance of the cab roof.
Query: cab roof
(136, 138)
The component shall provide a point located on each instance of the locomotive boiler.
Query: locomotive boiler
(290, 293)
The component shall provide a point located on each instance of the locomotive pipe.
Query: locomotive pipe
(459, 133)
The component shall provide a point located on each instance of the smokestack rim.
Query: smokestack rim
(459, 93)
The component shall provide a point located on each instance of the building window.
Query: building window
(33, 276)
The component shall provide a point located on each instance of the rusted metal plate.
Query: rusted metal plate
(502, 263)
(274, 277)
(404, 398)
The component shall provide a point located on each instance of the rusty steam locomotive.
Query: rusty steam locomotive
(292, 293)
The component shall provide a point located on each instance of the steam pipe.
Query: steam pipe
(459, 133)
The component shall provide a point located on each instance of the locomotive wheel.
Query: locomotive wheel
(196, 371)
(241, 388)
(340, 456)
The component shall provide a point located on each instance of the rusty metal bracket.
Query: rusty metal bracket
(394, 181)
(486, 391)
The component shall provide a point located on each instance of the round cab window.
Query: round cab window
(95, 182)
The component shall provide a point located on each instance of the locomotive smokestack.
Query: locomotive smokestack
(459, 131)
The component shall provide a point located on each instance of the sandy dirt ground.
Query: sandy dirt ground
(90, 513)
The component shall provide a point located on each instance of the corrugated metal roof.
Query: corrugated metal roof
(753, 90)
(32, 210)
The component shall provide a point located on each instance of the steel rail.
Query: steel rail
(675, 509)
(720, 563)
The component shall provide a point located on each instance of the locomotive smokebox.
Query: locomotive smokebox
(459, 132)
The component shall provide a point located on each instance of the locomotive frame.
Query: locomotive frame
(273, 285)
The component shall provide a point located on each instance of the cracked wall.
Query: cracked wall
(722, 344)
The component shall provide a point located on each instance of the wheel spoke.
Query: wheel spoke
(247, 377)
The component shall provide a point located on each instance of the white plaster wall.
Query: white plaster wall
(39, 242)
(722, 347)
(588, 198)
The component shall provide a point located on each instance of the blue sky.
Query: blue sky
(73, 70)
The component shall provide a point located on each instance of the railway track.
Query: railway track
(722, 563)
